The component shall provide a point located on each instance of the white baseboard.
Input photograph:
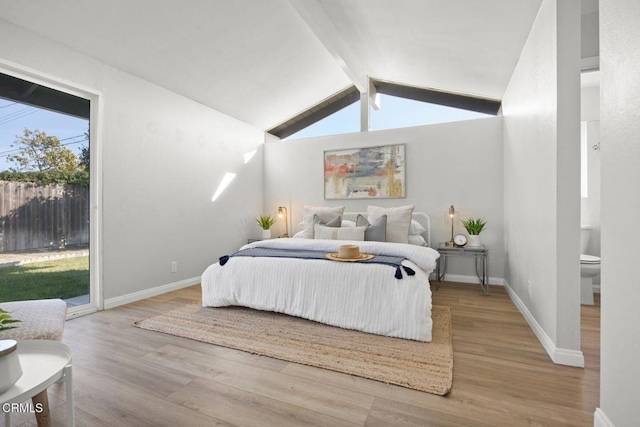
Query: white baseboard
(600, 419)
(148, 293)
(560, 356)
(499, 281)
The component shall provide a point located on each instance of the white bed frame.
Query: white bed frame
(420, 217)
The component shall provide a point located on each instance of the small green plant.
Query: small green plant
(474, 225)
(6, 319)
(265, 221)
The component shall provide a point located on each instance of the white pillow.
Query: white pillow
(416, 228)
(416, 239)
(347, 223)
(325, 214)
(398, 221)
(338, 233)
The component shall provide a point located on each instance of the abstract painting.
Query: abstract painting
(365, 173)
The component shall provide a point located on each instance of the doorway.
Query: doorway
(47, 226)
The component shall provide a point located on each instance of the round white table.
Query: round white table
(43, 363)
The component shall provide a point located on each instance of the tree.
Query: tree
(41, 153)
(83, 159)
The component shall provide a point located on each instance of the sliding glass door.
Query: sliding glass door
(45, 194)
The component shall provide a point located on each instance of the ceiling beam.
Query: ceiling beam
(316, 18)
(432, 96)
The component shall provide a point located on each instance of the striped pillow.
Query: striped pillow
(338, 233)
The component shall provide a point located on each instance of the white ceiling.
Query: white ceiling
(463, 46)
(259, 60)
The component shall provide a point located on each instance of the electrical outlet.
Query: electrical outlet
(174, 266)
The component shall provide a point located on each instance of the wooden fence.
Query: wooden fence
(36, 216)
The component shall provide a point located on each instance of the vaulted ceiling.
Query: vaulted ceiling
(264, 61)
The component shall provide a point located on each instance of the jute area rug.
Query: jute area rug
(417, 365)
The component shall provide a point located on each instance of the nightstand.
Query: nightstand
(479, 253)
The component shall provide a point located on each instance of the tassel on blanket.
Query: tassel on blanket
(409, 271)
(223, 259)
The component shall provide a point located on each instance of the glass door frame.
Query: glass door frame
(96, 298)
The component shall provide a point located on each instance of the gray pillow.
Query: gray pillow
(335, 222)
(376, 231)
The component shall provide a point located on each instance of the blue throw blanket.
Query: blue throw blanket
(392, 261)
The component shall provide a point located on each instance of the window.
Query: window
(325, 108)
(401, 106)
(45, 202)
(346, 120)
(398, 112)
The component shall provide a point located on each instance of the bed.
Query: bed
(353, 295)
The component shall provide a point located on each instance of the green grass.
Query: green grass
(64, 278)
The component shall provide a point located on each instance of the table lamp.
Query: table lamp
(282, 213)
(452, 213)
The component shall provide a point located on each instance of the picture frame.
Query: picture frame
(365, 173)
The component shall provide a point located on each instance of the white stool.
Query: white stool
(39, 320)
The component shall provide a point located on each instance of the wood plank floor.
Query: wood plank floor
(125, 376)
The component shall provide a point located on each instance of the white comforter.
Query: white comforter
(351, 295)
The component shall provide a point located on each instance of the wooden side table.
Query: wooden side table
(480, 255)
(43, 364)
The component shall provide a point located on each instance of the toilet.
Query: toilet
(589, 267)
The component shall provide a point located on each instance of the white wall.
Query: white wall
(620, 155)
(163, 157)
(590, 103)
(541, 174)
(456, 164)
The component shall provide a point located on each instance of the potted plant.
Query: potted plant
(265, 222)
(6, 321)
(474, 227)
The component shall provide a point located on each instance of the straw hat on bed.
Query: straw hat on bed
(349, 253)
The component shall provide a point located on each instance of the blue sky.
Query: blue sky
(394, 113)
(14, 117)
